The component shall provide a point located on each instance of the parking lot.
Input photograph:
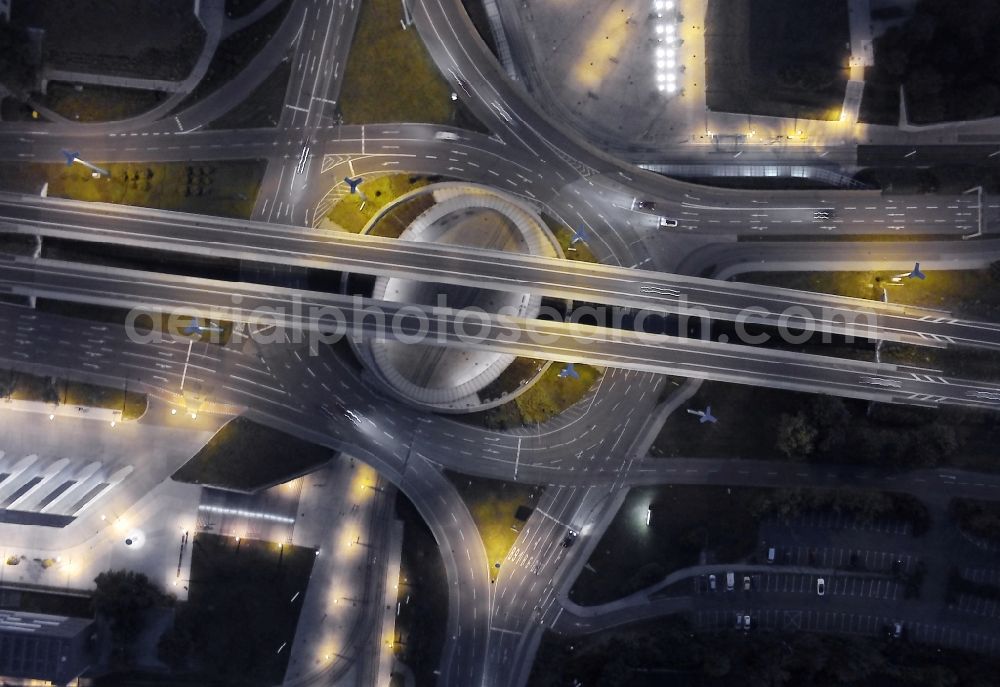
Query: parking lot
(843, 558)
(791, 620)
(989, 576)
(847, 585)
(839, 521)
(796, 620)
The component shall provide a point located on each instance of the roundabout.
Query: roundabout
(453, 380)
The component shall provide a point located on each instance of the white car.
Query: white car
(446, 136)
(820, 587)
(882, 381)
(667, 222)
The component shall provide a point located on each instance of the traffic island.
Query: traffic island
(499, 510)
(390, 76)
(247, 456)
(353, 211)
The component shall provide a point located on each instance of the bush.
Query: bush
(796, 435)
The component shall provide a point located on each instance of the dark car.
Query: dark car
(570, 539)
(646, 205)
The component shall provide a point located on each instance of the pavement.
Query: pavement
(346, 514)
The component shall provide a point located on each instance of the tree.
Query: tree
(122, 597)
(796, 436)
(831, 418)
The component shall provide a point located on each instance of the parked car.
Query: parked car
(746, 583)
(730, 581)
(711, 582)
(820, 587)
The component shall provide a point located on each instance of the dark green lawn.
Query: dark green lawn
(777, 58)
(248, 456)
(238, 611)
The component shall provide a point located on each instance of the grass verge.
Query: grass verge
(970, 293)
(238, 614)
(22, 386)
(494, 505)
(92, 103)
(248, 456)
(225, 188)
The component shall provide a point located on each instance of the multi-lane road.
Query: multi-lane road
(324, 315)
(479, 268)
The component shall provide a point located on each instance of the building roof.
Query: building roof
(42, 647)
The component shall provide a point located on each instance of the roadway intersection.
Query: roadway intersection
(583, 453)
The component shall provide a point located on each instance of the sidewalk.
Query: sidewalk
(61, 410)
(386, 647)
